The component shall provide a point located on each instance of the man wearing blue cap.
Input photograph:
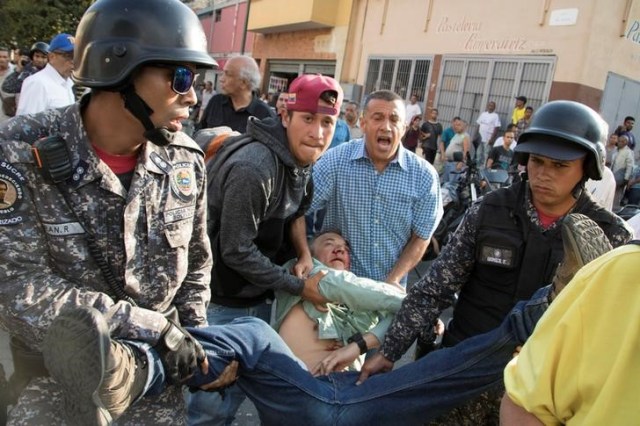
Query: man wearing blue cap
(51, 88)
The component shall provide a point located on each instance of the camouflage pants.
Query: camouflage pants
(41, 404)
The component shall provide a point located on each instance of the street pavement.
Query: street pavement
(247, 414)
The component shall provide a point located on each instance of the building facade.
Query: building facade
(457, 55)
(296, 37)
(224, 22)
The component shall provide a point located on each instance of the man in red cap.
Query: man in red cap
(259, 188)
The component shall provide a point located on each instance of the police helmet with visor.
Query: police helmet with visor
(39, 46)
(117, 37)
(565, 130)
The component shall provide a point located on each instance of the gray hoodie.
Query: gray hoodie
(255, 189)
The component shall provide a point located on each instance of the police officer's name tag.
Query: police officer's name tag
(63, 229)
(497, 256)
(176, 215)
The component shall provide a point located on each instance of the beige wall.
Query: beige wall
(315, 44)
(275, 13)
(585, 51)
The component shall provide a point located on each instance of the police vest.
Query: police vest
(513, 259)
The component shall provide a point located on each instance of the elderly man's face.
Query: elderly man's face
(332, 250)
(62, 62)
(351, 113)
(230, 81)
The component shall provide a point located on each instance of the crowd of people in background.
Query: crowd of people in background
(488, 141)
(491, 144)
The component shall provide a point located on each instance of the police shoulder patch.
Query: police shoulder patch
(12, 183)
(183, 181)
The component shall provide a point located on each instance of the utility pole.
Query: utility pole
(244, 30)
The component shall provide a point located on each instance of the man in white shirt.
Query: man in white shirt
(622, 162)
(488, 125)
(622, 167)
(207, 94)
(603, 191)
(413, 109)
(51, 87)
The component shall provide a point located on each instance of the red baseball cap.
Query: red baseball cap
(304, 93)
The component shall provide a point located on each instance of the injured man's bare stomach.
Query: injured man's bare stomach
(300, 333)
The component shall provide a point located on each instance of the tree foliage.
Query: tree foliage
(23, 22)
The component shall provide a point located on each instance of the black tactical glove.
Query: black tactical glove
(180, 353)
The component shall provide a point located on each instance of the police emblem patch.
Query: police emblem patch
(183, 181)
(11, 194)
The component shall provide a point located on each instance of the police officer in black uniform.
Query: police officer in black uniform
(509, 243)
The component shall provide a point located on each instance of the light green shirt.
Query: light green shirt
(360, 304)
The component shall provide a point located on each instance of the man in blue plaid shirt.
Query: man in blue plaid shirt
(384, 199)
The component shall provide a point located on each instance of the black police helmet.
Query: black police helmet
(114, 37)
(565, 130)
(38, 46)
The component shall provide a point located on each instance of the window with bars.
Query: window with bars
(405, 76)
(466, 84)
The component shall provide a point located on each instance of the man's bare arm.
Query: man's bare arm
(513, 414)
(410, 256)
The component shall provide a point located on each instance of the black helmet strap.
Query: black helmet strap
(139, 108)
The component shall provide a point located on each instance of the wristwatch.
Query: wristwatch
(359, 340)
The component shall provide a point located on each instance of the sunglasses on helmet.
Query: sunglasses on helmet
(183, 78)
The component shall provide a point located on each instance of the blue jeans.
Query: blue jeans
(210, 408)
(482, 152)
(155, 384)
(284, 392)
